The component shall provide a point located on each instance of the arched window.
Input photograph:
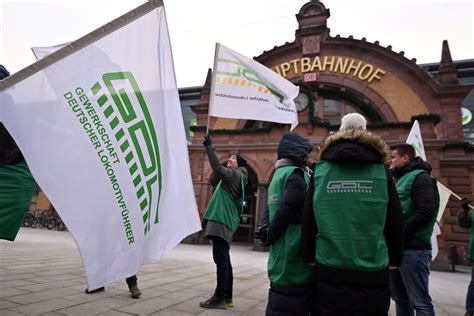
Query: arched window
(332, 103)
(332, 109)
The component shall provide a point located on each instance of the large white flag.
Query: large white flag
(245, 89)
(100, 125)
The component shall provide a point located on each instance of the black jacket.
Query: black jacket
(292, 150)
(362, 147)
(424, 195)
(9, 152)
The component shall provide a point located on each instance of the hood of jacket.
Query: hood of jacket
(354, 145)
(417, 164)
(294, 147)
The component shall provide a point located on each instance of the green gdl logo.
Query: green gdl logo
(136, 136)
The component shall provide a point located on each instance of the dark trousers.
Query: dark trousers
(291, 300)
(225, 279)
(470, 292)
(131, 281)
(351, 300)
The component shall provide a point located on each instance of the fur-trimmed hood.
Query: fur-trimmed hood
(354, 145)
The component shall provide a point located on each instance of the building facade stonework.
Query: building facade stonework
(337, 76)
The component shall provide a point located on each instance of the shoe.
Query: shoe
(229, 303)
(469, 314)
(135, 292)
(100, 289)
(215, 302)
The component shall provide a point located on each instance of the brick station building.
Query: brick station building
(337, 76)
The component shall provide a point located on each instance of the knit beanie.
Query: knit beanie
(240, 160)
(354, 121)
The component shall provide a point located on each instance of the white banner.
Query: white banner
(245, 89)
(444, 195)
(102, 131)
(414, 139)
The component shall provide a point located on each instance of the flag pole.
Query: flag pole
(213, 84)
(208, 124)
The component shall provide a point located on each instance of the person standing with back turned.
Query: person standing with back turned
(352, 223)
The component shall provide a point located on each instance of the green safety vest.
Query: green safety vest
(470, 253)
(285, 264)
(16, 190)
(224, 208)
(404, 185)
(350, 206)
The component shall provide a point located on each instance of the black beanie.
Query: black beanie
(241, 160)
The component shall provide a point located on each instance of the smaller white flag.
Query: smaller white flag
(42, 51)
(434, 241)
(444, 195)
(245, 89)
(414, 139)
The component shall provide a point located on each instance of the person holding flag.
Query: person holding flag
(223, 218)
(16, 182)
(419, 198)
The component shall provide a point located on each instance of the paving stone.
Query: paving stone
(115, 313)
(148, 306)
(243, 304)
(184, 295)
(10, 313)
(171, 313)
(255, 294)
(43, 306)
(6, 304)
(94, 308)
(39, 296)
(190, 306)
(218, 312)
(171, 287)
(47, 286)
(11, 292)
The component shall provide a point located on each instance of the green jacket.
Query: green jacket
(222, 214)
(465, 219)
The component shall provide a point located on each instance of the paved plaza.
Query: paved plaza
(41, 273)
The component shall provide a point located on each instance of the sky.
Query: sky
(249, 27)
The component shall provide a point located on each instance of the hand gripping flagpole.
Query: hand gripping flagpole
(213, 84)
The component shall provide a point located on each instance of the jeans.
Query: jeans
(470, 292)
(409, 284)
(220, 253)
